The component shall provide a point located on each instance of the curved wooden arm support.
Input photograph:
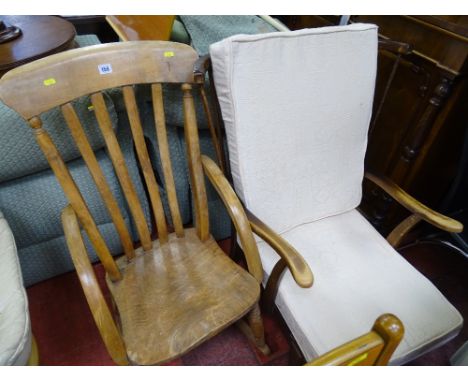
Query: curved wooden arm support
(295, 262)
(425, 213)
(102, 316)
(237, 214)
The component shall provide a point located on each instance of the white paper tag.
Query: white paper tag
(105, 68)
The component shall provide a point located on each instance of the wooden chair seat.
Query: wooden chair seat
(177, 295)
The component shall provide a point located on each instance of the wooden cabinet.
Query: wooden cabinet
(420, 107)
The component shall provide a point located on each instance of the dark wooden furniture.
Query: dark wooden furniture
(420, 109)
(40, 37)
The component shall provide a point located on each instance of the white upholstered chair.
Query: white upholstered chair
(16, 341)
(296, 108)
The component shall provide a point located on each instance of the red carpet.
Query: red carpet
(66, 333)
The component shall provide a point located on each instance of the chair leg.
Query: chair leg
(34, 357)
(254, 329)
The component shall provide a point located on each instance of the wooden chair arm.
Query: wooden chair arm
(237, 214)
(97, 303)
(300, 270)
(438, 220)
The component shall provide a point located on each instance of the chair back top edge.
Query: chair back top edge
(39, 86)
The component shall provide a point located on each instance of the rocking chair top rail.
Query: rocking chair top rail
(43, 84)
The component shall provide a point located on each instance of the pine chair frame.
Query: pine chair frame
(56, 81)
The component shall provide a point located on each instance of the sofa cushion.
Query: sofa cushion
(296, 108)
(358, 277)
(19, 151)
(15, 327)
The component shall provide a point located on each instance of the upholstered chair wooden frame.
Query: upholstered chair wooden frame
(296, 108)
(290, 258)
(172, 293)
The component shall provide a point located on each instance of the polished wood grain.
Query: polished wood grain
(115, 152)
(46, 83)
(438, 220)
(74, 196)
(373, 348)
(161, 134)
(145, 163)
(142, 27)
(170, 294)
(237, 214)
(178, 295)
(197, 179)
(299, 268)
(40, 36)
(395, 237)
(89, 157)
(99, 309)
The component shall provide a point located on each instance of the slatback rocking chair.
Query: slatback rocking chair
(172, 293)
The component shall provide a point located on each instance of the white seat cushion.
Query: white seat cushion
(358, 277)
(15, 329)
(296, 108)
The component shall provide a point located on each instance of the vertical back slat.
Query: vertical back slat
(214, 136)
(195, 167)
(143, 156)
(89, 157)
(75, 198)
(103, 118)
(161, 132)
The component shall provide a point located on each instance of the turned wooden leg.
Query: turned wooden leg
(254, 329)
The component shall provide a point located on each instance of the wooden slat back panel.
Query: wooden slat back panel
(103, 118)
(75, 198)
(58, 79)
(161, 133)
(89, 157)
(142, 152)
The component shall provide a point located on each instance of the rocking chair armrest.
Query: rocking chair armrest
(90, 285)
(299, 268)
(435, 218)
(237, 214)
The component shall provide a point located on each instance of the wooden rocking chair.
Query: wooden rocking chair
(173, 293)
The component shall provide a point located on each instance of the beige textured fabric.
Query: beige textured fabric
(296, 107)
(358, 277)
(15, 330)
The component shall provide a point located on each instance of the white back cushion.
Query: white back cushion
(296, 107)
